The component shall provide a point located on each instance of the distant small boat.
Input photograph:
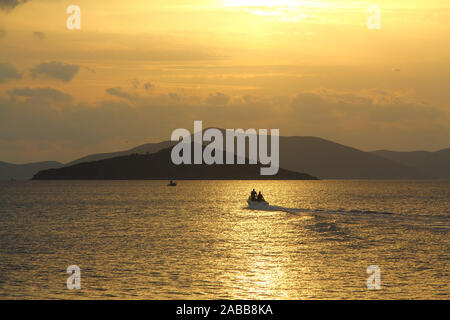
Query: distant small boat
(172, 184)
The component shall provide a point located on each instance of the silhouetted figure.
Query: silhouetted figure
(172, 184)
(253, 195)
(260, 197)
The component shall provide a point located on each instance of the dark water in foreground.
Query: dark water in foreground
(144, 240)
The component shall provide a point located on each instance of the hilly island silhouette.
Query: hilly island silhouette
(314, 156)
(158, 166)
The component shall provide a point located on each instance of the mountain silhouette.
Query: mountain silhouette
(158, 166)
(434, 164)
(316, 156)
(329, 160)
(143, 149)
(26, 171)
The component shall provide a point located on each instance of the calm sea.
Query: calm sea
(145, 240)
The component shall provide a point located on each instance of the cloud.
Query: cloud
(218, 99)
(174, 96)
(46, 114)
(119, 92)
(134, 83)
(56, 70)
(39, 35)
(8, 71)
(40, 94)
(89, 69)
(8, 5)
(329, 109)
(65, 130)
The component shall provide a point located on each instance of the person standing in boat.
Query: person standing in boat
(253, 195)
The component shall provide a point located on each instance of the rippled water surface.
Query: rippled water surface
(144, 240)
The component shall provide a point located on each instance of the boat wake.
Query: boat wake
(316, 211)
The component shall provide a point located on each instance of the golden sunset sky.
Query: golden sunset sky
(137, 70)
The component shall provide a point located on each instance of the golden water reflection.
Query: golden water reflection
(142, 240)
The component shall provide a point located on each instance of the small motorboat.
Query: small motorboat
(172, 184)
(257, 204)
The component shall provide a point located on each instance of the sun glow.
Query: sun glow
(281, 10)
(272, 3)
